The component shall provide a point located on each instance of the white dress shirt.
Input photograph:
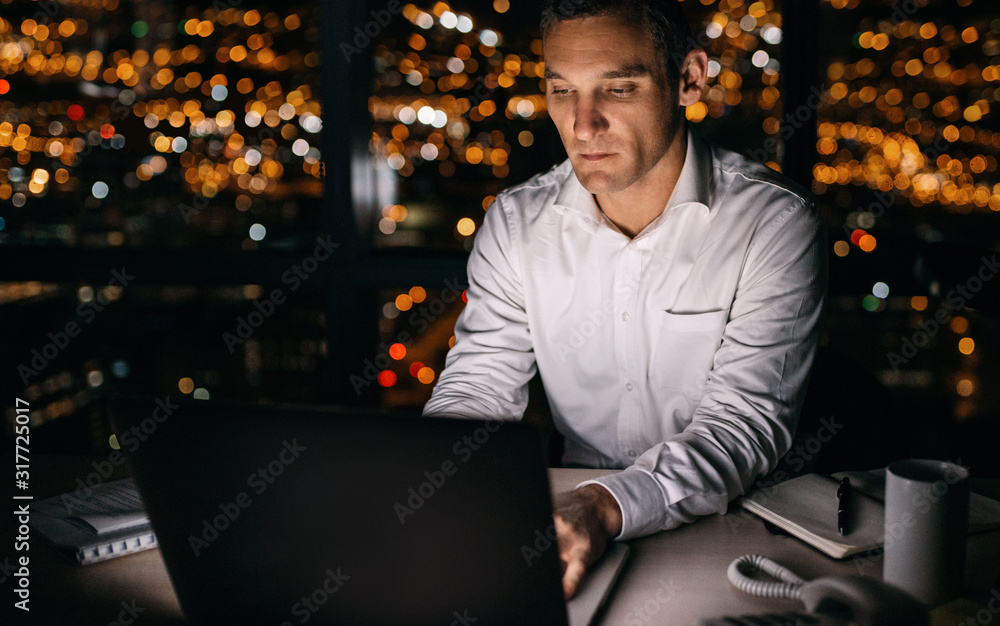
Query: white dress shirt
(680, 354)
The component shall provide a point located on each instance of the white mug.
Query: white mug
(926, 525)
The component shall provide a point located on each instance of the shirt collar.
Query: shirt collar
(694, 187)
(573, 197)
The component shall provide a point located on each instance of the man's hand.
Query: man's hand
(586, 519)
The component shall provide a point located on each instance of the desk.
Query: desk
(691, 562)
(675, 577)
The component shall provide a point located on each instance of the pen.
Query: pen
(843, 501)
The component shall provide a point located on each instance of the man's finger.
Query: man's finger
(563, 527)
(571, 579)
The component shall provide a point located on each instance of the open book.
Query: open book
(806, 508)
(107, 522)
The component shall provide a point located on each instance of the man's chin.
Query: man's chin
(599, 176)
(598, 182)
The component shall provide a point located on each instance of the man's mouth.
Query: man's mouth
(595, 156)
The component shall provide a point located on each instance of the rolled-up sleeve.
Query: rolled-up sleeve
(747, 416)
(487, 371)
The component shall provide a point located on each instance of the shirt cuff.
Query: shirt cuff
(640, 499)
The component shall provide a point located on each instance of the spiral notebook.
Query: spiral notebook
(95, 524)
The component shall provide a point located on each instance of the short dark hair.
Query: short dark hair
(664, 19)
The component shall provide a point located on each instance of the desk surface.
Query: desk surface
(672, 577)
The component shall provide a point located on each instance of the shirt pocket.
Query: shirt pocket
(685, 352)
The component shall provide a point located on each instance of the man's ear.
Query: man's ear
(694, 75)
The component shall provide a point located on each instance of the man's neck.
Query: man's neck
(634, 208)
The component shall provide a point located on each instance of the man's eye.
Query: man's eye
(560, 91)
(622, 91)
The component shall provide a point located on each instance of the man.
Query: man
(667, 291)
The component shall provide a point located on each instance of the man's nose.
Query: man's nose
(589, 121)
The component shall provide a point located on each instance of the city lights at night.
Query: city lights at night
(195, 128)
(310, 306)
(214, 104)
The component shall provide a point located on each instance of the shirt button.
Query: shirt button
(625, 316)
(631, 453)
(628, 386)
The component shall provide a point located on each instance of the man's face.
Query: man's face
(607, 93)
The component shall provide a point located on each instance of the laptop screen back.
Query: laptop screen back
(289, 516)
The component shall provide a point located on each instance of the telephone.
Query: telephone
(830, 601)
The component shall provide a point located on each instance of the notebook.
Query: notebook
(95, 524)
(806, 507)
(293, 515)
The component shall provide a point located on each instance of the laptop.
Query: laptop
(288, 516)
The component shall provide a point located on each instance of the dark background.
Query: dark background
(901, 153)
